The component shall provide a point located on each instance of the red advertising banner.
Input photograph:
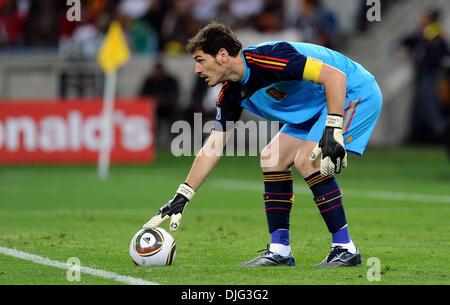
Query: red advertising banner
(69, 131)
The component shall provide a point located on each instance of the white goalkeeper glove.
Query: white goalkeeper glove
(173, 209)
(331, 147)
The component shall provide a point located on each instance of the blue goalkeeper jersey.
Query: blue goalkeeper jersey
(280, 82)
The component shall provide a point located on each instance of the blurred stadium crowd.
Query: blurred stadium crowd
(162, 27)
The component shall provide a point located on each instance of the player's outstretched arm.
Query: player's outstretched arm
(331, 147)
(203, 164)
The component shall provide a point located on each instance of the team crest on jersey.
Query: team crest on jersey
(276, 93)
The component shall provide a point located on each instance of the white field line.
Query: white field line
(247, 185)
(95, 272)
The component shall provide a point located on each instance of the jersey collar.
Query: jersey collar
(247, 70)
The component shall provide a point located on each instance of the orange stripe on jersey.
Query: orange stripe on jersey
(266, 61)
(225, 85)
(219, 100)
(265, 66)
(267, 57)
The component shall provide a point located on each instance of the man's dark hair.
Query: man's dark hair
(214, 37)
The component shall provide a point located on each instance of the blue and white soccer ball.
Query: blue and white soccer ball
(152, 247)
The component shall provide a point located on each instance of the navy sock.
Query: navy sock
(328, 198)
(278, 200)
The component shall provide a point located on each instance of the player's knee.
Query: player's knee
(300, 163)
(265, 156)
(303, 164)
(270, 160)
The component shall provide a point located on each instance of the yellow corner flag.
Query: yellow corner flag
(114, 51)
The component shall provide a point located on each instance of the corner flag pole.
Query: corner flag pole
(107, 126)
(113, 54)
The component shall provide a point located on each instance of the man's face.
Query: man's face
(209, 68)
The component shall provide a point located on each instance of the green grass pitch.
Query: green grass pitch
(397, 204)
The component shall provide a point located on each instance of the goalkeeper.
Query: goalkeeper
(329, 106)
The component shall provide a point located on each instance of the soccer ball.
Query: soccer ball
(152, 247)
